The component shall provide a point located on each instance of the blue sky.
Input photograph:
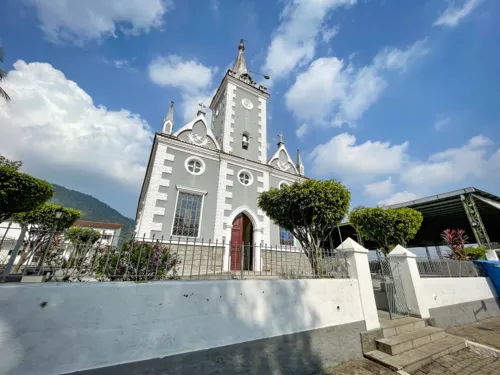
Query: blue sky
(397, 99)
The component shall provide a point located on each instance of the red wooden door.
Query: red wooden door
(236, 241)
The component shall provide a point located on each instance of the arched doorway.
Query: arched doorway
(241, 243)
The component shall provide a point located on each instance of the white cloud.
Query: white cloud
(342, 156)
(330, 93)
(400, 197)
(456, 12)
(188, 75)
(301, 130)
(442, 123)
(294, 42)
(61, 135)
(68, 21)
(329, 33)
(454, 165)
(380, 188)
(194, 80)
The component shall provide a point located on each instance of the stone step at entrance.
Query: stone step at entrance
(408, 344)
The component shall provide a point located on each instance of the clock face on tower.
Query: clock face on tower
(246, 103)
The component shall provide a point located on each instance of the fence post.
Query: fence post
(410, 278)
(14, 254)
(359, 269)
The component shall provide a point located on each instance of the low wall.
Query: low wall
(458, 301)
(254, 326)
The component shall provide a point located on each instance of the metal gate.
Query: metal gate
(386, 277)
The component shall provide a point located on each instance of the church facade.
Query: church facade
(203, 180)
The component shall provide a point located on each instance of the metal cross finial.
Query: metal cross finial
(201, 105)
(281, 137)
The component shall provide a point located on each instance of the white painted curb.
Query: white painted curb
(483, 349)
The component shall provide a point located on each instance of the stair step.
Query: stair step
(402, 325)
(414, 359)
(411, 340)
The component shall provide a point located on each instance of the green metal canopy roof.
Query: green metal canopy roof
(445, 211)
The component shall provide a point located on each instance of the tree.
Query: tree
(20, 192)
(14, 164)
(310, 210)
(42, 224)
(78, 235)
(387, 227)
(3, 75)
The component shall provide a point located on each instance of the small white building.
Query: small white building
(110, 232)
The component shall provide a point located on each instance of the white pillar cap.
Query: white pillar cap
(351, 246)
(400, 252)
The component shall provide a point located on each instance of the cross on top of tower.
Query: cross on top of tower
(280, 135)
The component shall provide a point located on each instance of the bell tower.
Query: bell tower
(239, 111)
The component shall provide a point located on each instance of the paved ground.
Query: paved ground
(463, 362)
(357, 367)
(485, 332)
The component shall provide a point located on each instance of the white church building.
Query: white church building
(203, 179)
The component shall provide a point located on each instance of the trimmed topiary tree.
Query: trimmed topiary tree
(20, 192)
(310, 210)
(387, 227)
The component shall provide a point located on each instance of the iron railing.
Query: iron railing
(147, 259)
(448, 268)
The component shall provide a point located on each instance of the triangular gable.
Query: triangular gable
(279, 165)
(189, 127)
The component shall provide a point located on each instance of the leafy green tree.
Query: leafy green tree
(20, 192)
(3, 75)
(310, 210)
(42, 223)
(386, 227)
(14, 164)
(78, 235)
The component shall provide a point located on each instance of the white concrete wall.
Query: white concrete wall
(441, 292)
(58, 328)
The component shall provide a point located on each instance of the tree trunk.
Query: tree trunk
(22, 259)
(315, 259)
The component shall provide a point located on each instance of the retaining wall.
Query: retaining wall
(457, 301)
(225, 327)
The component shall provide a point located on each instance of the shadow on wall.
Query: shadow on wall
(196, 327)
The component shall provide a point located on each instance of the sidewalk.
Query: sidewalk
(486, 332)
(357, 367)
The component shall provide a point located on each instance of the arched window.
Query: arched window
(245, 141)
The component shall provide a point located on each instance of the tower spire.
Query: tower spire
(300, 164)
(240, 66)
(168, 123)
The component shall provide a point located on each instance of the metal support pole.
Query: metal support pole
(428, 253)
(475, 221)
(5, 234)
(14, 253)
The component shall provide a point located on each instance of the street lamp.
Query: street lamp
(260, 74)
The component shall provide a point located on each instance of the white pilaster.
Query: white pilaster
(359, 269)
(410, 278)
(159, 180)
(262, 130)
(229, 118)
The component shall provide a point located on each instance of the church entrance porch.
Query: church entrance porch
(241, 244)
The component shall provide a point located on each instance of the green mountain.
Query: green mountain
(91, 208)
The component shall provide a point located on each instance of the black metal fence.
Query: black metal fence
(448, 268)
(57, 258)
